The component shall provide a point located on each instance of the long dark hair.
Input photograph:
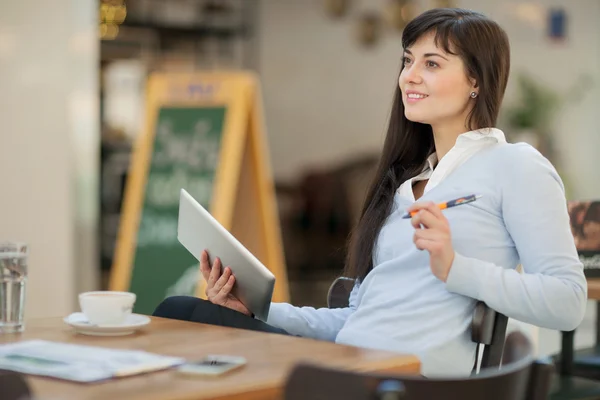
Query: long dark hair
(483, 46)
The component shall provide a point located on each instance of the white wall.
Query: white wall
(327, 98)
(49, 145)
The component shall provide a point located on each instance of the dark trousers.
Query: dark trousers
(187, 308)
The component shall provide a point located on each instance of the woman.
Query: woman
(418, 279)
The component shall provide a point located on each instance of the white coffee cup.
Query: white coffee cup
(107, 307)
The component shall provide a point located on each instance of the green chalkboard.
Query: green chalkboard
(185, 153)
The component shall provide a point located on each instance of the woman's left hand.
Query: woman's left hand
(432, 233)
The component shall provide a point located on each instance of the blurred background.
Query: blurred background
(72, 94)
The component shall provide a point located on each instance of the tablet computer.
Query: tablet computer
(198, 230)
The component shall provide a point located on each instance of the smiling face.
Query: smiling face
(436, 89)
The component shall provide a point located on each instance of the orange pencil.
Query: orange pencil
(448, 204)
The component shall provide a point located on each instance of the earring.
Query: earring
(473, 95)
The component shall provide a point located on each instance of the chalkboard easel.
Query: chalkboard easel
(204, 132)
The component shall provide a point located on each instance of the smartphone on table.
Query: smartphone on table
(212, 365)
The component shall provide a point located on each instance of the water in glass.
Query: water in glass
(13, 279)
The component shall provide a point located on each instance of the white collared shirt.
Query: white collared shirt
(467, 144)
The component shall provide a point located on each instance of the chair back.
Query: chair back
(488, 327)
(488, 330)
(338, 295)
(519, 379)
(13, 386)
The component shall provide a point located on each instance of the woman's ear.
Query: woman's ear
(474, 84)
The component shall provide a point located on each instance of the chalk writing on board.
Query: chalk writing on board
(197, 151)
(157, 229)
(163, 189)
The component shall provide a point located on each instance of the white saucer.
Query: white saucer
(81, 325)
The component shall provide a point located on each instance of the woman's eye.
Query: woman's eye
(406, 60)
(431, 64)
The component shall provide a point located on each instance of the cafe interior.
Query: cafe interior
(272, 114)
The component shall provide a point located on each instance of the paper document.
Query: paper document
(79, 363)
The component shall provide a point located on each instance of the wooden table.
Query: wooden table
(593, 288)
(594, 294)
(270, 359)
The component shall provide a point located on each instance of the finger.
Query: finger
(415, 208)
(429, 206)
(435, 210)
(430, 234)
(430, 245)
(228, 286)
(428, 220)
(222, 280)
(421, 244)
(415, 220)
(213, 290)
(215, 272)
(225, 290)
(432, 221)
(205, 265)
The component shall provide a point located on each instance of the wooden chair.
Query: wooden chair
(520, 378)
(488, 327)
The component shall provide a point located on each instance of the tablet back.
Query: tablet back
(198, 230)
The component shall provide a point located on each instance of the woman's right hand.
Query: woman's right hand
(219, 284)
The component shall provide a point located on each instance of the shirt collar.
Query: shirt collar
(465, 140)
(432, 161)
(494, 134)
(467, 144)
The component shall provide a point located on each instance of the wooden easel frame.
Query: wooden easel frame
(243, 148)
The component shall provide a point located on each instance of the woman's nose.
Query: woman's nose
(413, 74)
